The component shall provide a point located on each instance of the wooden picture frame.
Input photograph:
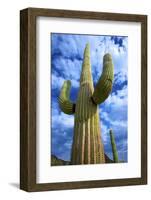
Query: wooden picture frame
(28, 98)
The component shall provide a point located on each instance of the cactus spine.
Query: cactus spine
(114, 150)
(87, 147)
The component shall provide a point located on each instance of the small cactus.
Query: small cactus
(114, 149)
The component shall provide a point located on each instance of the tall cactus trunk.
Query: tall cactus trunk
(87, 145)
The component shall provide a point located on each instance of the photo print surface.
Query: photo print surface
(89, 93)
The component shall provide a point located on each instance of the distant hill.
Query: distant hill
(108, 160)
(55, 161)
(58, 162)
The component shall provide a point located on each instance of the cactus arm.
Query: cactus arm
(104, 85)
(114, 149)
(64, 102)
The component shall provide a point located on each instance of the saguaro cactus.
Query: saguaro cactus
(87, 147)
(114, 150)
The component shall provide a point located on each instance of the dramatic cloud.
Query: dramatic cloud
(66, 63)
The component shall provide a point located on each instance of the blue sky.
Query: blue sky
(66, 64)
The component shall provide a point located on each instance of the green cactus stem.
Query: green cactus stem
(65, 104)
(104, 85)
(114, 149)
(87, 147)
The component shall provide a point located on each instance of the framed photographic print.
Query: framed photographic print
(83, 99)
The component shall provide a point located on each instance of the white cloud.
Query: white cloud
(117, 100)
(120, 123)
(104, 133)
(113, 123)
(68, 144)
(62, 120)
(57, 82)
(120, 78)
